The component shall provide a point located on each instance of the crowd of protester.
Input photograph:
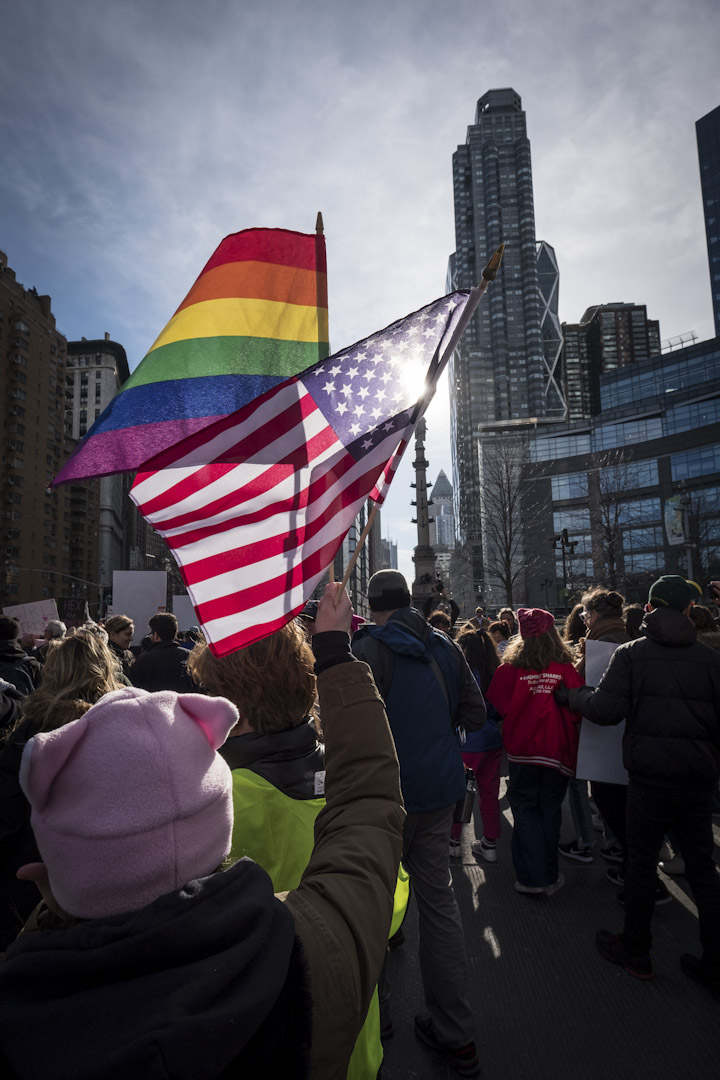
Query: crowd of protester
(209, 858)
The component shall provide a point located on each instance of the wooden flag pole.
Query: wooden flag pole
(359, 547)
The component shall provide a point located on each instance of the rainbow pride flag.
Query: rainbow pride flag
(256, 315)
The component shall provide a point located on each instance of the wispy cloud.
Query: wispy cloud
(140, 134)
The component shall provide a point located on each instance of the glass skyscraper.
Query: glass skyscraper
(499, 373)
(708, 140)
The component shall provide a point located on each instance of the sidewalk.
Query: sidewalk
(548, 1006)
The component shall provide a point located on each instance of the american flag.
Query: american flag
(255, 507)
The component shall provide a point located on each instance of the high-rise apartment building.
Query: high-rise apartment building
(95, 371)
(48, 538)
(708, 141)
(608, 337)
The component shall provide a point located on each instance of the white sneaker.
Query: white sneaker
(676, 865)
(486, 851)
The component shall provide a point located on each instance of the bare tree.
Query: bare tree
(505, 513)
(704, 530)
(611, 512)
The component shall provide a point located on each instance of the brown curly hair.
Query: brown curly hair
(608, 603)
(272, 682)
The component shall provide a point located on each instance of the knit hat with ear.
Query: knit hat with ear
(132, 800)
(534, 621)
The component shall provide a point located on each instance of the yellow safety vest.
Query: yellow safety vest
(278, 833)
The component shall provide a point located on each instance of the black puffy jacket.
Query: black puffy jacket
(667, 685)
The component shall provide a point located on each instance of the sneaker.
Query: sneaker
(612, 853)
(615, 875)
(573, 851)
(556, 886)
(485, 848)
(519, 887)
(612, 948)
(695, 969)
(464, 1059)
(455, 848)
(662, 896)
(676, 865)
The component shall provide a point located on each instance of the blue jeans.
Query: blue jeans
(535, 794)
(580, 810)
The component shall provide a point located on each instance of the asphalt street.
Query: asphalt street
(548, 1006)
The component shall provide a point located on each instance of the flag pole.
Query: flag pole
(321, 302)
(488, 275)
(319, 235)
(359, 545)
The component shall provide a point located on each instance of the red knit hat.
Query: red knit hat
(534, 621)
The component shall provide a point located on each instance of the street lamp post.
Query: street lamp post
(567, 547)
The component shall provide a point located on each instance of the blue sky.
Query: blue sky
(136, 135)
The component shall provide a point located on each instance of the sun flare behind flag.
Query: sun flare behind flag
(255, 507)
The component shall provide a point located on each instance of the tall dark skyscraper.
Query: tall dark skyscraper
(499, 374)
(708, 140)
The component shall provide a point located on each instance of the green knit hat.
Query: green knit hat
(673, 591)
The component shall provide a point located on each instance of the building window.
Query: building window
(569, 486)
(699, 462)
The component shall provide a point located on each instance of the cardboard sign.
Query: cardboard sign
(73, 610)
(33, 617)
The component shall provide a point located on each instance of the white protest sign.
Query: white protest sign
(139, 594)
(33, 617)
(184, 612)
(600, 748)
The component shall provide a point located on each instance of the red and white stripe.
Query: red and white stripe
(255, 508)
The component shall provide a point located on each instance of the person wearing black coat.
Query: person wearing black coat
(667, 686)
(164, 666)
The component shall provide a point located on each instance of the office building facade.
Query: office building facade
(637, 487)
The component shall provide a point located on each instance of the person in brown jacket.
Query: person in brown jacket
(178, 966)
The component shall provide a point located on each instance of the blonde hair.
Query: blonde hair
(272, 682)
(78, 671)
(538, 653)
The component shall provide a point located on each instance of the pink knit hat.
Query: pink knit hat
(534, 621)
(132, 800)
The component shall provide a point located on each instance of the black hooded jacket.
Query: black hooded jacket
(208, 981)
(286, 759)
(667, 685)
